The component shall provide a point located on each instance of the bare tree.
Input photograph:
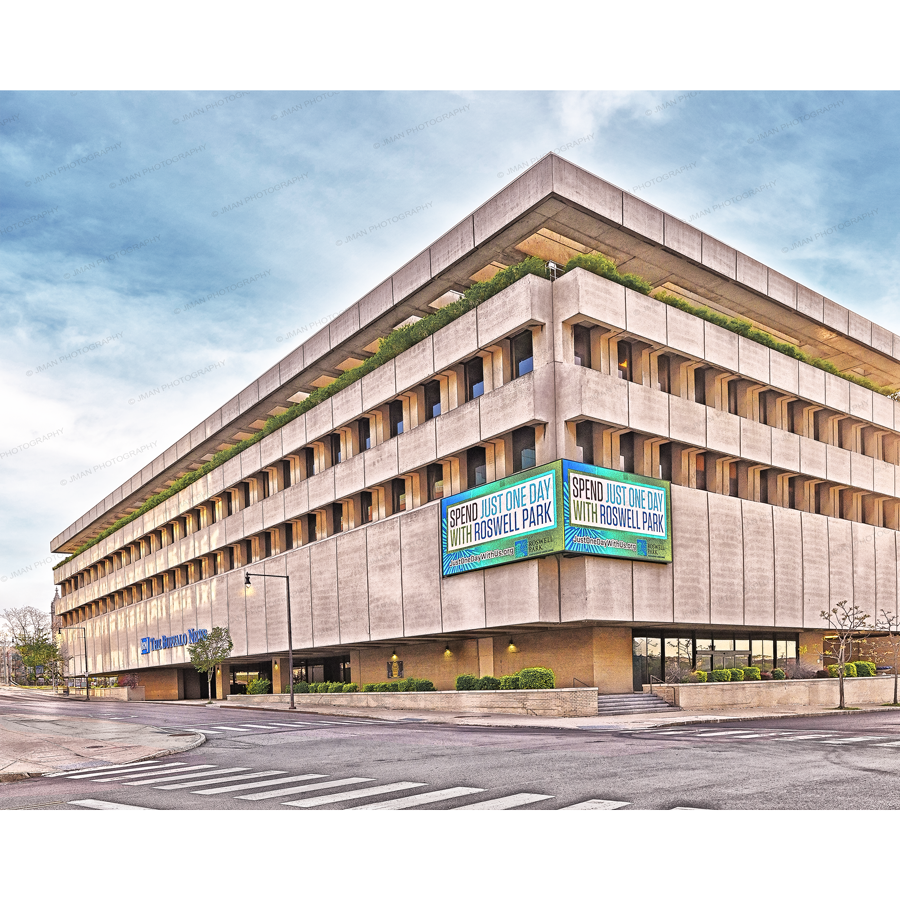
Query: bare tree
(890, 622)
(847, 621)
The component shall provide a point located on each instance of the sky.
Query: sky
(131, 256)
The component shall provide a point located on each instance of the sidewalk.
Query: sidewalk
(38, 745)
(593, 723)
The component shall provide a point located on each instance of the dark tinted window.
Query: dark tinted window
(396, 415)
(624, 367)
(476, 464)
(364, 427)
(582, 346)
(366, 505)
(432, 400)
(523, 354)
(523, 449)
(435, 480)
(398, 486)
(584, 438)
(474, 378)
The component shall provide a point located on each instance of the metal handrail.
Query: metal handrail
(580, 682)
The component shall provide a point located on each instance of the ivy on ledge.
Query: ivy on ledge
(408, 335)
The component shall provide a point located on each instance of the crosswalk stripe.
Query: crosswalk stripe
(510, 802)
(248, 725)
(292, 724)
(182, 776)
(851, 740)
(598, 804)
(125, 771)
(712, 733)
(229, 728)
(284, 792)
(423, 799)
(193, 784)
(889, 744)
(353, 795)
(146, 762)
(223, 790)
(141, 774)
(105, 804)
(205, 731)
(803, 737)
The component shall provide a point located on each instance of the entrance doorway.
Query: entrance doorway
(646, 660)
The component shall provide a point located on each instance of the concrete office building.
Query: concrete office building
(785, 478)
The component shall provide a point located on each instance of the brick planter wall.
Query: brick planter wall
(556, 702)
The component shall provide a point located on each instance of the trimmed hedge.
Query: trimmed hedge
(336, 687)
(300, 687)
(488, 683)
(865, 669)
(778, 674)
(259, 686)
(413, 685)
(751, 673)
(736, 674)
(509, 682)
(351, 688)
(466, 683)
(699, 676)
(721, 674)
(537, 678)
(849, 670)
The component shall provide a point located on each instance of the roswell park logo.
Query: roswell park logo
(173, 640)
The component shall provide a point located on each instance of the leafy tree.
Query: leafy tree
(29, 628)
(211, 651)
(890, 623)
(847, 621)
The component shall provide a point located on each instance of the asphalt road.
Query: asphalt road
(264, 760)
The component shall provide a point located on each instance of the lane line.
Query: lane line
(509, 802)
(353, 795)
(223, 790)
(181, 777)
(321, 786)
(126, 771)
(105, 804)
(175, 787)
(423, 799)
(598, 804)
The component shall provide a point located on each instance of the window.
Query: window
(664, 374)
(474, 378)
(398, 490)
(476, 466)
(435, 481)
(337, 518)
(364, 429)
(365, 502)
(395, 409)
(309, 458)
(523, 354)
(523, 449)
(733, 397)
(335, 448)
(733, 480)
(311, 528)
(263, 485)
(701, 471)
(700, 385)
(285, 474)
(626, 452)
(665, 462)
(624, 368)
(582, 337)
(432, 400)
(584, 439)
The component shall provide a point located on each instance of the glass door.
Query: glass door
(646, 660)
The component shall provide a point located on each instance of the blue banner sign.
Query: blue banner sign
(149, 644)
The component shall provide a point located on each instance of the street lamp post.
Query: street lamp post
(287, 582)
(87, 680)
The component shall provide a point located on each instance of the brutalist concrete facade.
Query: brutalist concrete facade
(785, 478)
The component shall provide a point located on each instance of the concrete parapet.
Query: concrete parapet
(564, 702)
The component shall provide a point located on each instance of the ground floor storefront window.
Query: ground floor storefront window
(329, 668)
(665, 656)
(242, 676)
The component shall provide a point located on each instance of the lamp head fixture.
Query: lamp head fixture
(448, 651)
(512, 647)
(246, 579)
(394, 656)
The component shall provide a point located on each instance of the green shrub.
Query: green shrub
(606, 268)
(351, 688)
(865, 669)
(301, 687)
(849, 670)
(721, 674)
(336, 687)
(466, 683)
(259, 686)
(536, 678)
(751, 673)
(737, 674)
(699, 676)
(369, 688)
(509, 682)
(778, 674)
(418, 684)
(488, 683)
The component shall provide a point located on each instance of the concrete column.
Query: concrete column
(223, 679)
(485, 657)
(612, 660)
(356, 667)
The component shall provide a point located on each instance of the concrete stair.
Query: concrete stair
(630, 704)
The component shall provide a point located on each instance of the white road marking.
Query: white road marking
(291, 724)
(851, 740)
(223, 790)
(229, 728)
(284, 792)
(175, 787)
(105, 804)
(180, 768)
(68, 774)
(422, 799)
(353, 795)
(510, 802)
(126, 771)
(182, 776)
(598, 804)
(803, 737)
